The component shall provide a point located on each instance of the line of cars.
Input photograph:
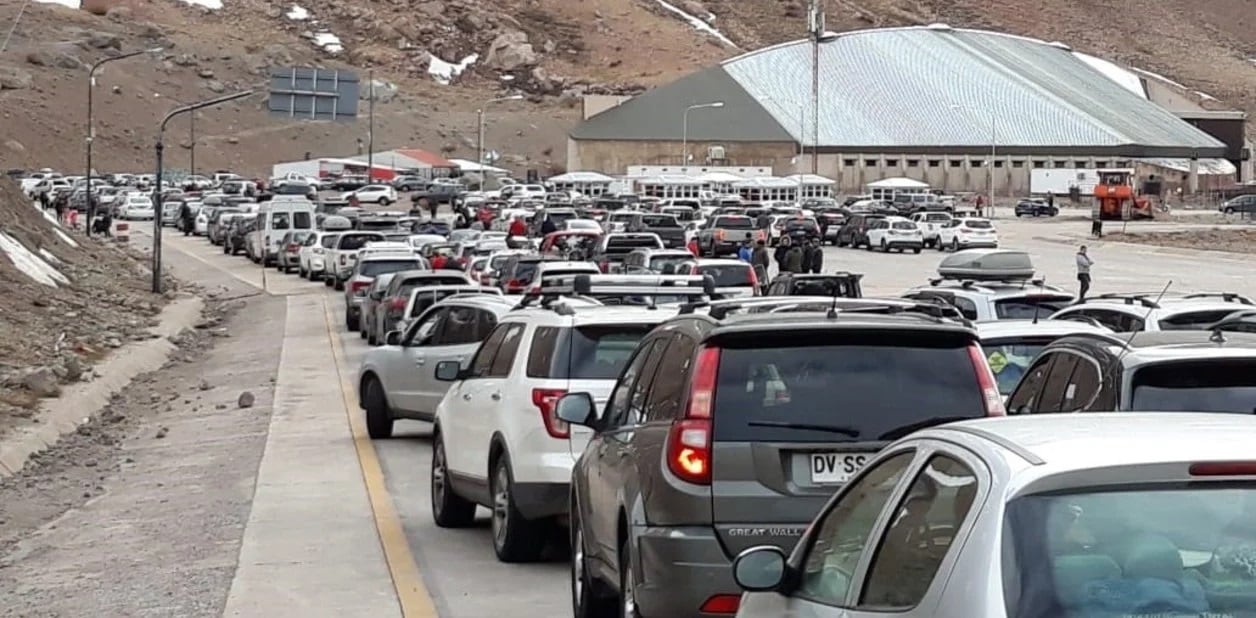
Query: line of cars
(833, 456)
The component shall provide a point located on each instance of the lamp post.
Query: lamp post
(91, 130)
(684, 128)
(160, 147)
(191, 137)
(479, 142)
(993, 148)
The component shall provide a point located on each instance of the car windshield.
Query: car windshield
(1030, 307)
(729, 275)
(886, 384)
(425, 298)
(1009, 358)
(1146, 551)
(734, 223)
(375, 268)
(584, 353)
(659, 262)
(1199, 386)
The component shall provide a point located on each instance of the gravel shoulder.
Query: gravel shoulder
(142, 510)
(1230, 239)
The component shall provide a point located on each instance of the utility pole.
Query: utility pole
(370, 126)
(192, 156)
(816, 27)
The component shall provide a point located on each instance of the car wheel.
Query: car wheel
(338, 285)
(884, 247)
(362, 328)
(627, 583)
(301, 272)
(939, 245)
(515, 539)
(327, 281)
(371, 339)
(867, 246)
(954, 244)
(352, 322)
(1229, 211)
(379, 420)
(589, 597)
(448, 508)
(916, 250)
(383, 201)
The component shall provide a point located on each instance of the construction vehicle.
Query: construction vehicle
(1117, 198)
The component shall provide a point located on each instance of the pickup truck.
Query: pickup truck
(343, 256)
(931, 224)
(723, 234)
(667, 227)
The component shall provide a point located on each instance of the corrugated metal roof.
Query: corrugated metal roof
(924, 87)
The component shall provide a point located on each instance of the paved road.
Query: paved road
(458, 568)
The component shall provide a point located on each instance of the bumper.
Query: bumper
(905, 244)
(974, 243)
(541, 500)
(316, 265)
(678, 569)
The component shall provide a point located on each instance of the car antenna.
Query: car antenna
(1146, 316)
(832, 313)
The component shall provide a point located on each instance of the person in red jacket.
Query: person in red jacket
(693, 247)
(518, 227)
(438, 261)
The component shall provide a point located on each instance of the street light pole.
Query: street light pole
(91, 130)
(479, 142)
(370, 128)
(684, 128)
(192, 154)
(160, 147)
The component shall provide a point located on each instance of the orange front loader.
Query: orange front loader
(1115, 194)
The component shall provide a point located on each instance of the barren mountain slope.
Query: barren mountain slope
(552, 50)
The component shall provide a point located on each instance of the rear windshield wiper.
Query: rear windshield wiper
(846, 431)
(899, 432)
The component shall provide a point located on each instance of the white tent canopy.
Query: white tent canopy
(765, 183)
(471, 166)
(899, 184)
(581, 177)
(810, 179)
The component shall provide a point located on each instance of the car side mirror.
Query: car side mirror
(760, 569)
(577, 409)
(377, 295)
(448, 371)
(392, 338)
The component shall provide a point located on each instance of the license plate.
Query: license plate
(836, 468)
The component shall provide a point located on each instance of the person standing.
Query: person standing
(815, 260)
(744, 252)
(1083, 273)
(759, 258)
(793, 259)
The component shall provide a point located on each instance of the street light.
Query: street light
(91, 130)
(479, 143)
(993, 148)
(684, 128)
(191, 137)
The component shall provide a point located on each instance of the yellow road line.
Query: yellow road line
(412, 594)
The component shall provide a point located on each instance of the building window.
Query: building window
(1101, 165)
(998, 163)
(891, 162)
(870, 162)
(913, 163)
(1061, 164)
(1018, 164)
(850, 162)
(1040, 163)
(956, 163)
(1122, 163)
(977, 163)
(935, 163)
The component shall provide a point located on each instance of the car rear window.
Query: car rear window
(625, 244)
(978, 225)
(1193, 320)
(375, 268)
(734, 223)
(525, 271)
(1030, 307)
(1136, 551)
(583, 353)
(659, 262)
(353, 242)
(427, 298)
(728, 275)
(1199, 386)
(801, 224)
(1009, 358)
(904, 225)
(884, 385)
(660, 221)
(822, 286)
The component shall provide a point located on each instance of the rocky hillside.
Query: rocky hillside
(67, 301)
(440, 58)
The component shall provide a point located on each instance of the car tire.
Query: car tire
(885, 248)
(449, 510)
(954, 244)
(379, 420)
(338, 285)
(1229, 211)
(515, 538)
(362, 328)
(916, 250)
(589, 597)
(383, 201)
(371, 339)
(627, 583)
(352, 322)
(327, 281)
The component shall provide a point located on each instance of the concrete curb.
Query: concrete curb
(79, 402)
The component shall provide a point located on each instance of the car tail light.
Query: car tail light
(719, 234)
(1224, 468)
(546, 400)
(721, 604)
(514, 285)
(604, 266)
(294, 248)
(689, 440)
(754, 281)
(359, 286)
(397, 304)
(985, 379)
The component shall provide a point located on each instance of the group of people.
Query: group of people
(800, 257)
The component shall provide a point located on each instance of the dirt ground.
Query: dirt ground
(1231, 239)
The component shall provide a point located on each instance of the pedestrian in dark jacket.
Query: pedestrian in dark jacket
(59, 205)
(779, 255)
(548, 226)
(793, 260)
(806, 258)
(816, 252)
(759, 257)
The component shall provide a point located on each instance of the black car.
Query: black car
(840, 285)
(233, 242)
(831, 221)
(855, 232)
(440, 228)
(1035, 208)
(349, 183)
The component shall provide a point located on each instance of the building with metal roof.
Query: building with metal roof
(927, 102)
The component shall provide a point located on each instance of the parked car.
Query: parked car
(967, 233)
(854, 233)
(364, 273)
(1035, 207)
(894, 234)
(136, 206)
(290, 250)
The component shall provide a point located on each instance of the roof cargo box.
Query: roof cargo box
(987, 265)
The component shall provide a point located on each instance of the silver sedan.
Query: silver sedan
(1149, 514)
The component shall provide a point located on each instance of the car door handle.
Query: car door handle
(466, 396)
(496, 396)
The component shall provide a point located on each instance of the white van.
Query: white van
(285, 213)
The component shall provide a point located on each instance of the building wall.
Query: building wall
(594, 104)
(614, 157)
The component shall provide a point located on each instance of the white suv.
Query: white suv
(995, 300)
(1126, 313)
(497, 440)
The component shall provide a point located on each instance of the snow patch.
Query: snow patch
(698, 24)
(1121, 76)
(1205, 96)
(212, 5)
(30, 264)
(444, 72)
(329, 42)
(66, 238)
(52, 259)
(74, 4)
(298, 13)
(1159, 77)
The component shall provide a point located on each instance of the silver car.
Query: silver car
(1131, 514)
(398, 380)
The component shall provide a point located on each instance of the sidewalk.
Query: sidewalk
(311, 547)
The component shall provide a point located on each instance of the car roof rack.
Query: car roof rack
(1145, 300)
(934, 308)
(600, 288)
(1229, 297)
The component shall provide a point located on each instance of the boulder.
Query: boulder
(511, 50)
(382, 91)
(120, 14)
(99, 7)
(42, 382)
(215, 86)
(40, 58)
(103, 40)
(66, 61)
(13, 78)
